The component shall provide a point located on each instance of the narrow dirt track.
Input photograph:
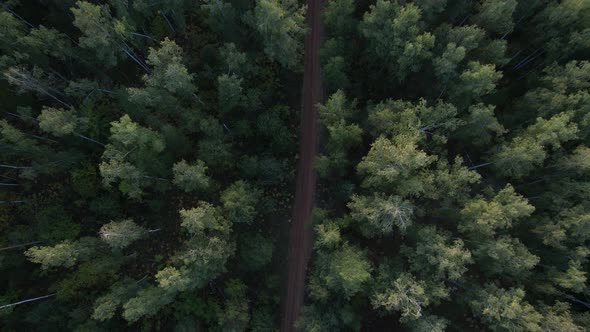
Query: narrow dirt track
(301, 234)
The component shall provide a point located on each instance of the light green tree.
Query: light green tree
(505, 256)
(395, 166)
(404, 294)
(120, 234)
(505, 309)
(484, 217)
(191, 177)
(101, 34)
(344, 271)
(378, 215)
(239, 202)
(436, 256)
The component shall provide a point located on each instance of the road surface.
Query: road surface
(301, 233)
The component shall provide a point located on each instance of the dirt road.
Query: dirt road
(301, 234)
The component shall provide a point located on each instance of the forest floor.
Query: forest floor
(301, 234)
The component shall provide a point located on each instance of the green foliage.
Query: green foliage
(496, 15)
(190, 177)
(338, 17)
(58, 122)
(147, 303)
(106, 305)
(139, 145)
(428, 323)
(239, 202)
(527, 151)
(395, 37)
(481, 126)
(235, 316)
(344, 271)
(101, 33)
(280, 25)
(404, 294)
(505, 256)
(378, 215)
(476, 81)
(504, 309)
(169, 78)
(395, 166)
(255, 251)
(229, 92)
(204, 217)
(63, 254)
(452, 165)
(484, 217)
(120, 234)
(436, 256)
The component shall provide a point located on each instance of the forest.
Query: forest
(150, 151)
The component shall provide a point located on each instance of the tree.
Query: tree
(403, 294)
(101, 34)
(476, 81)
(280, 25)
(131, 179)
(235, 317)
(255, 251)
(428, 323)
(58, 122)
(504, 309)
(446, 65)
(505, 256)
(344, 271)
(436, 256)
(527, 151)
(558, 318)
(481, 126)
(168, 81)
(204, 217)
(147, 303)
(234, 60)
(450, 183)
(65, 254)
(239, 202)
(496, 15)
(484, 217)
(338, 17)
(397, 117)
(334, 72)
(131, 150)
(229, 92)
(395, 37)
(327, 235)
(395, 166)
(377, 215)
(573, 279)
(561, 27)
(62, 254)
(120, 234)
(191, 177)
(106, 305)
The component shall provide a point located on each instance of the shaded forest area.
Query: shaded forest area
(148, 153)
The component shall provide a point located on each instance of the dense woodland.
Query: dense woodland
(148, 152)
(148, 159)
(455, 167)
